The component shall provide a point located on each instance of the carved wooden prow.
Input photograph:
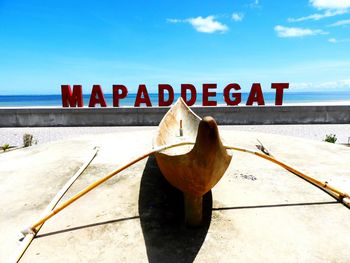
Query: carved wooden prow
(206, 153)
(192, 169)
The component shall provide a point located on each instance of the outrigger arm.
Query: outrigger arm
(339, 195)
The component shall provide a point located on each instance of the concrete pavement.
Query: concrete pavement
(260, 212)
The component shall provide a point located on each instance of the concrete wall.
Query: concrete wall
(52, 117)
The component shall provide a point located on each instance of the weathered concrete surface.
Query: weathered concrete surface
(261, 213)
(51, 117)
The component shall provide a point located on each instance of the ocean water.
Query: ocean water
(289, 98)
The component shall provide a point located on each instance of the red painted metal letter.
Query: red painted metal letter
(279, 92)
(97, 97)
(161, 89)
(255, 95)
(117, 96)
(72, 99)
(236, 96)
(207, 94)
(142, 97)
(192, 89)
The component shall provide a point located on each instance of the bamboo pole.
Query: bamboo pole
(33, 228)
(29, 237)
(340, 195)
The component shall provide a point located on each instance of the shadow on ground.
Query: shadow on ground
(161, 212)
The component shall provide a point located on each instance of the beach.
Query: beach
(315, 132)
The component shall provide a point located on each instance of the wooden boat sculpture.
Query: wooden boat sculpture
(193, 169)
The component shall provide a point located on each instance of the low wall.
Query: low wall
(53, 117)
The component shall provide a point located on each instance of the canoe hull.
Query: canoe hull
(194, 169)
(197, 171)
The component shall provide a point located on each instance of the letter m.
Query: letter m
(72, 99)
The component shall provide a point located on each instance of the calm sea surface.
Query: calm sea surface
(289, 98)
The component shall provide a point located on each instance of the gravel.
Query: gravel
(14, 136)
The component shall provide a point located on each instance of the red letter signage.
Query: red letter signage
(256, 95)
(237, 96)
(117, 96)
(231, 94)
(97, 97)
(142, 96)
(207, 94)
(70, 99)
(192, 89)
(161, 89)
(279, 92)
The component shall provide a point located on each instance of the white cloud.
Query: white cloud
(327, 13)
(297, 32)
(237, 17)
(330, 4)
(207, 24)
(341, 23)
(300, 85)
(202, 24)
(172, 20)
(337, 84)
(336, 41)
(254, 4)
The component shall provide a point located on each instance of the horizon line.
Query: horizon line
(178, 93)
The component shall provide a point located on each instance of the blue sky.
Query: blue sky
(44, 44)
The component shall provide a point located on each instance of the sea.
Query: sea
(290, 98)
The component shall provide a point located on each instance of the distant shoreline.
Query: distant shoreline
(286, 104)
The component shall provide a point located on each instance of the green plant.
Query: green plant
(5, 147)
(27, 140)
(330, 138)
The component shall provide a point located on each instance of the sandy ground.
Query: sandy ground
(13, 136)
(258, 212)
